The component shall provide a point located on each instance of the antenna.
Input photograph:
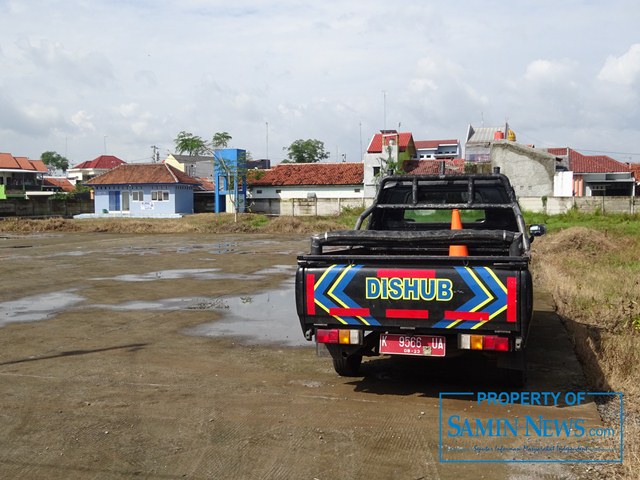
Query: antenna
(155, 158)
(384, 104)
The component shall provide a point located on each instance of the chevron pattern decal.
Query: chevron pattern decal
(490, 299)
(329, 295)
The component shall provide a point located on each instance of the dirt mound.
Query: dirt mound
(579, 240)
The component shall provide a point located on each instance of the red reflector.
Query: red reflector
(327, 336)
(489, 342)
(502, 344)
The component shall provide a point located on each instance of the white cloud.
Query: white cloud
(140, 72)
(622, 70)
(541, 73)
(83, 120)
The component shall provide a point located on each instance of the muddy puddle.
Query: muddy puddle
(36, 308)
(267, 317)
(177, 274)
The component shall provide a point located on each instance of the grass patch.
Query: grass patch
(617, 223)
(594, 276)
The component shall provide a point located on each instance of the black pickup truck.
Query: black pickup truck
(440, 269)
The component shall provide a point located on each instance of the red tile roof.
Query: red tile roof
(39, 166)
(141, 173)
(433, 167)
(62, 183)
(308, 174)
(105, 162)
(206, 184)
(429, 144)
(24, 163)
(404, 139)
(580, 163)
(635, 169)
(8, 161)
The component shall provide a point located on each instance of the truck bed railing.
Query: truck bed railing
(509, 242)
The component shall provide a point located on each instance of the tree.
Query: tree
(306, 151)
(191, 144)
(221, 140)
(55, 160)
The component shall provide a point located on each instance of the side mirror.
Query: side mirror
(536, 230)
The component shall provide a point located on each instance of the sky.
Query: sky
(90, 77)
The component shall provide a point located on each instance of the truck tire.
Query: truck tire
(346, 366)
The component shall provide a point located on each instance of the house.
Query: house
(144, 190)
(386, 149)
(478, 143)
(306, 188)
(437, 149)
(592, 175)
(92, 168)
(20, 176)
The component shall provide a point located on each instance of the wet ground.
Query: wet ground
(180, 356)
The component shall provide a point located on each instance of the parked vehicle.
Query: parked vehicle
(441, 268)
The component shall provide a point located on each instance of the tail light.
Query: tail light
(341, 336)
(483, 342)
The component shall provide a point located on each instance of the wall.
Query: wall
(563, 184)
(556, 205)
(303, 207)
(333, 191)
(43, 206)
(530, 171)
(378, 160)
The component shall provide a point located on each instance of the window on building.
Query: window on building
(137, 195)
(376, 171)
(159, 195)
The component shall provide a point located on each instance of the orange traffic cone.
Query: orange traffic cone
(456, 224)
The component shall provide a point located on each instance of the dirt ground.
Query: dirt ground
(180, 356)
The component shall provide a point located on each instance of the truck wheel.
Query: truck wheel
(347, 366)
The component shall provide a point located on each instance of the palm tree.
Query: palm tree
(190, 143)
(221, 140)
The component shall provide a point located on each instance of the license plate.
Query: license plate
(424, 345)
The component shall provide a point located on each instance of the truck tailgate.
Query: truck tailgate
(456, 297)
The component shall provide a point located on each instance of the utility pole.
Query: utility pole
(361, 150)
(267, 125)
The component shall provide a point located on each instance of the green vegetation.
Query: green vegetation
(618, 223)
(306, 151)
(55, 161)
